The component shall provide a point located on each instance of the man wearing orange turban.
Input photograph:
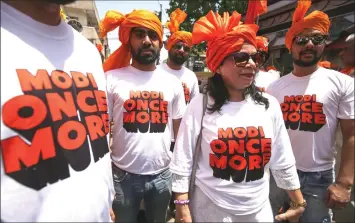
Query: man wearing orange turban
(145, 104)
(325, 64)
(138, 18)
(271, 67)
(312, 130)
(176, 18)
(347, 55)
(178, 45)
(225, 188)
(263, 79)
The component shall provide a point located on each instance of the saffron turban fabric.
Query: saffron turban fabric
(176, 18)
(262, 43)
(224, 35)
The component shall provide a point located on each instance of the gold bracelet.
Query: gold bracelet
(294, 205)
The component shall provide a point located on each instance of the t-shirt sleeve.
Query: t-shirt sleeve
(270, 88)
(179, 104)
(182, 159)
(281, 153)
(195, 89)
(109, 95)
(346, 103)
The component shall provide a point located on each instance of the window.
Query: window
(74, 17)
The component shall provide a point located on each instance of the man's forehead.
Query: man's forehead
(180, 43)
(308, 32)
(142, 29)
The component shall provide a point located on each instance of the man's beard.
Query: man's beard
(302, 63)
(179, 60)
(59, 2)
(146, 59)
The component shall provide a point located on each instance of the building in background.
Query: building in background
(275, 23)
(83, 16)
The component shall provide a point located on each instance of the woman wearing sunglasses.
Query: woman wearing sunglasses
(243, 136)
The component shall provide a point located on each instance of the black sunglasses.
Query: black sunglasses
(316, 40)
(140, 34)
(178, 46)
(242, 58)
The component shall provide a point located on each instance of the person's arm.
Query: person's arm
(346, 119)
(182, 159)
(346, 170)
(293, 213)
(183, 211)
(282, 165)
(339, 192)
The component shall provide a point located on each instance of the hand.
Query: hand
(338, 196)
(112, 215)
(291, 215)
(182, 214)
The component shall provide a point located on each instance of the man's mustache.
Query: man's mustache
(308, 52)
(151, 49)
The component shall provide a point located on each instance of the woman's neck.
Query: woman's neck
(236, 95)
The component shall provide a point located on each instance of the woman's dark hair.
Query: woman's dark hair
(217, 90)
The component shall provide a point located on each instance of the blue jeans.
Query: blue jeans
(314, 187)
(132, 188)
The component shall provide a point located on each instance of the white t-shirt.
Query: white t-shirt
(311, 107)
(274, 73)
(238, 146)
(264, 79)
(189, 83)
(188, 79)
(142, 105)
(55, 163)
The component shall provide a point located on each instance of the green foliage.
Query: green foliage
(195, 9)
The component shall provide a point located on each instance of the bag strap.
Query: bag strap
(197, 148)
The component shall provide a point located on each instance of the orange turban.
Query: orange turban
(62, 14)
(224, 35)
(325, 64)
(176, 18)
(138, 18)
(99, 47)
(316, 20)
(262, 43)
(271, 68)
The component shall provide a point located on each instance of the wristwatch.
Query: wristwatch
(294, 205)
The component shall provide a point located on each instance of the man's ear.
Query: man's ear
(219, 70)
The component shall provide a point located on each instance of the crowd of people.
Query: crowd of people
(250, 146)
